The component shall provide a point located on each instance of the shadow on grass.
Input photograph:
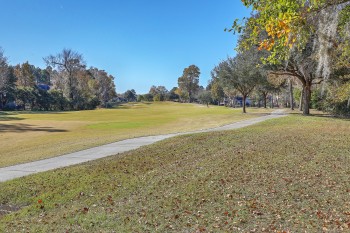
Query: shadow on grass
(320, 115)
(15, 116)
(137, 105)
(257, 113)
(19, 128)
(8, 209)
(44, 112)
(9, 116)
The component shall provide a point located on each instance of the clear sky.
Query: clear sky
(141, 43)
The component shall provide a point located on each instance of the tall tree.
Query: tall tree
(25, 75)
(290, 26)
(241, 73)
(215, 87)
(302, 66)
(103, 85)
(189, 81)
(7, 81)
(68, 63)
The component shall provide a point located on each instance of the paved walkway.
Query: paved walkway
(12, 172)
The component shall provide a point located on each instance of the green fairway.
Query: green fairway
(288, 174)
(31, 136)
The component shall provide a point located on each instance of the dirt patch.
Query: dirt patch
(7, 209)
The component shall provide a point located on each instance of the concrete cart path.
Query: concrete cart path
(12, 172)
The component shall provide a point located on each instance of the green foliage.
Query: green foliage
(25, 75)
(173, 96)
(205, 97)
(296, 94)
(130, 95)
(58, 101)
(317, 100)
(217, 91)
(159, 93)
(7, 81)
(287, 24)
(189, 82)
(158, 97)
(148, 97)
(140, 98)
(343, 49)
(24, 96)
(71, 85)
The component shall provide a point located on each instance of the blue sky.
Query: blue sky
(141, 43)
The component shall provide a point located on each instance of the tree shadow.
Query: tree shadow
(320, 115)
(138, 105)
(256, 113)
(6, 116)
(8, 209)
(44, 112)
(12, 116)
(20, 128)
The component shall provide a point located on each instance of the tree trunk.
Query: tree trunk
(243, 103)
(291, 94)
(301, 100)
(271, 100)
(348, 104)
(265, 100)
(1, 103)
(307, 98)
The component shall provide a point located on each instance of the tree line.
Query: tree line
(304, 42)
(290, 52)
(65, 84)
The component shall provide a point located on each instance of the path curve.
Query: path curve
(20, 170)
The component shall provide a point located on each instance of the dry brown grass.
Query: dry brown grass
(285, 175)
(31, 136)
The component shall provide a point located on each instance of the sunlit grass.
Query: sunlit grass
(288, 174)
(31, 136)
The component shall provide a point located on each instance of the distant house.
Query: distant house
(44, 87)
(235, 102)
(239, 101)
(119, 99)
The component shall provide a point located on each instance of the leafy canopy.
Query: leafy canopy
(285, 23)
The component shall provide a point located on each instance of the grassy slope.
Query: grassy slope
(285, 174)
(27, 137)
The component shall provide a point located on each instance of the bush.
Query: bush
(158, 97)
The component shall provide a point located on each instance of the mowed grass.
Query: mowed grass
(287, 174)
(31, 136)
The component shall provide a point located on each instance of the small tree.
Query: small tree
(173, 96)
(205, 97)
(159, 93)
(130, 95)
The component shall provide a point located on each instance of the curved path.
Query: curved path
(12, 172)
